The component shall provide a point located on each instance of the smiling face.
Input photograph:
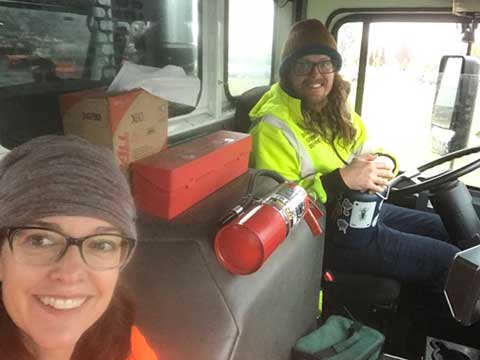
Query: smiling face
(313, 87)
(55, 304)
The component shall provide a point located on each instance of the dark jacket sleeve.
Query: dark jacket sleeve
(333, 184)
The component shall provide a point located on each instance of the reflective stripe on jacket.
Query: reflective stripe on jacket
(281, 142)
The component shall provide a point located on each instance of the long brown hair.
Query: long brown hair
(333, 121)
(107, 339)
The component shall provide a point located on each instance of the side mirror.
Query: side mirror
(462, 288)
(454, 103)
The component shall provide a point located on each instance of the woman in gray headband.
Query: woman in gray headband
(67, 227)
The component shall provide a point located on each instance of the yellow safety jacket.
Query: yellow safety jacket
(282, 143)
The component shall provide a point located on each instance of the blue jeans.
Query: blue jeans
(408, 245)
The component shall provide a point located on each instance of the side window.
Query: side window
(401, 75)
(161, 34)
(41, 46)
(88, 42)
(250, 39)
(165, 33)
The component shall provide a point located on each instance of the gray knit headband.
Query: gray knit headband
(64, 175)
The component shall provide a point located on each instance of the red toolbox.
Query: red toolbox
(171, 181)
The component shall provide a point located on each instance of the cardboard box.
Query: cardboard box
(133, 124)
(167, 183)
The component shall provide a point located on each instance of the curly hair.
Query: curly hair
(108, 338)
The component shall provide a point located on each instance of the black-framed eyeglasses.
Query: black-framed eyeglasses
(305, 67)
(36, 245)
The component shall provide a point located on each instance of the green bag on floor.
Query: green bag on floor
(340, 339)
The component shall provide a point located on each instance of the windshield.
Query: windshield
(414, 104)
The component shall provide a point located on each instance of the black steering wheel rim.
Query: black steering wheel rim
(440, 179)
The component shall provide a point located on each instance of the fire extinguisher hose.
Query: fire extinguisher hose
(249, 197)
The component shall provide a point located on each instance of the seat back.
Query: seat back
(190, 307)
(244, 104)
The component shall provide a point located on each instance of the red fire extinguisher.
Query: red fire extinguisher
(246, 242)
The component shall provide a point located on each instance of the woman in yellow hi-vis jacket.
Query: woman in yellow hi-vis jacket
(303, 129)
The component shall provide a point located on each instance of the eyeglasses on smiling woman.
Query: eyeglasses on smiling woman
(304, 67)
(38, 246)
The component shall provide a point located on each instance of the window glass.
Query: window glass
(74, 40)
(474, 133)
(161, 34)
(474, 130)
(476, 44)
(37, 45)
(166, 35)
(250, 38)
(349, 41)
(468, 107)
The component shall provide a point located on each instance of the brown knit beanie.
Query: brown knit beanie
(308, 37)
(57, 175)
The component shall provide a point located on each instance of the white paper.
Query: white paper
(169, 82)
(362, 214)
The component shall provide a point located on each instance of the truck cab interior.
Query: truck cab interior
(414, 69)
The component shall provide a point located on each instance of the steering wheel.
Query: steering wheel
(422, 184)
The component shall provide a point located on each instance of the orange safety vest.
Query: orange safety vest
(140, 348)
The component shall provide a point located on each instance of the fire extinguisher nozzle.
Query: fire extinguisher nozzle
(227, 218)
(231, 214)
